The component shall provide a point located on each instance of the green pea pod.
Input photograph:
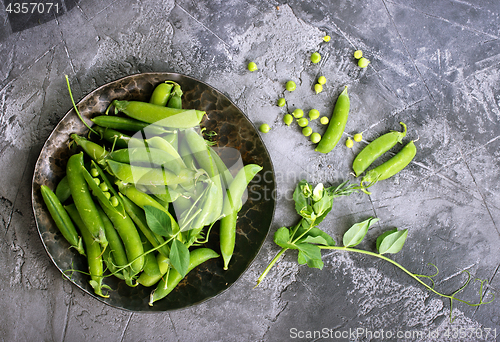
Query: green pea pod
(158, 115)
(137, 215)
(128, 124)
(186, 155)
(63, 192)
(93, 150)
(173, 139)
(148, 155)
(167, 284)
(117, 255)
(149, 176)
(151, 279)
(392, 166)
(175, 102)
(83, 200)
(337, 124)
(232, 205)
(94, 252)
(61, 218)
(110, 263)
(151, 266)
(227, 178)
(118, 139)
(375, 149)
(161, 94)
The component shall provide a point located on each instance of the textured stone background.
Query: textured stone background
(435, 66)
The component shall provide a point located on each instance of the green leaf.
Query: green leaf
(158, 221)
(282, 238)
(319, 240)
(179, 257)
(393, 242)
(381, 237)
(357, 232)
(310, 254)
(323, 207)
(299, 197)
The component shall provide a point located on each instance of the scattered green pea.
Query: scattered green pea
(307, 131)
(349, 143)
(302, 122)
(315, 137)
(358, 54)
(288, 119)
(313, 114)
(97, 181)
(290, 86)
(298, 113)
(358, 137)
(107, 195)
(363, 62)
(264, 128)
(326, 38)
(94, 172)
(315, 57)
(318, 88)
(104, 186)
(322, 80)
(114, 201)
(324, 120)
(252, 66)
(281, 102)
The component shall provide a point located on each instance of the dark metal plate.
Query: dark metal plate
(233, 129)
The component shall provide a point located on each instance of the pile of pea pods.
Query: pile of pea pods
(113, 204)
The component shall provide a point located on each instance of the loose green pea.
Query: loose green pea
(264, 128)
(288, 119)
(94, 172)
(349, 143)
(324, 120)
(322, 80)
(326, 38)
(298, 113)
(307, 131)
(315, 57)
(358, 137)
(303, 122)
(363, 62)
(318, 88)
(313, 114)
(114, 201)
(358, 54)
(104, 186)
(290, 86)
(281, 102)
(315, 137)
(252, 66)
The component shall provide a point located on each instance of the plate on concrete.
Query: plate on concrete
(233, 130)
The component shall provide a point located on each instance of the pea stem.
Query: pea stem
(76, 109)
(271, 264)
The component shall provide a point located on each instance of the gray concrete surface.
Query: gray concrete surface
(434, 65)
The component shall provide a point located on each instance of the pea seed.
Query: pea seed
(324, 120)
(363, 62)
(281, 102)
(107, 195)
(252, 66)
(349, 143)
(290, 86)
(104, 186)
(315, 57)
(303, 122)
(307, 131)
(298, 113)
(358, 54)
(288, 119)
(358, 137)
(315, 137)
(114, 201)
(326, 38)
(264, 128)
(94, 172)
(322, 80)
(318, 88)
(97, 181)
(313, 114)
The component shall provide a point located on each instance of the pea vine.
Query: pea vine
(313, 204)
